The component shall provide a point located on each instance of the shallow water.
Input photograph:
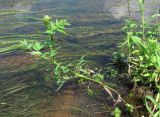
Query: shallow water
(94, 32)
(95, 24)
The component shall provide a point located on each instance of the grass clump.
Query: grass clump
(140, 51)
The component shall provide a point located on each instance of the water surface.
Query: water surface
(94, 32)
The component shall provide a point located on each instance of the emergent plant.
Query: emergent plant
(142, 49)
(62, 72)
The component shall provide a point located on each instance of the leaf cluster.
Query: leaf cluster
(142, 49)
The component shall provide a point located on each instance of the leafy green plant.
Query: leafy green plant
(154, 108)
(59, 71)
(117, 112)
(142, 50)
(111, 72)
(63, 72)
(129, 108)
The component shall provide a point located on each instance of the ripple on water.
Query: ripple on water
(95, 30)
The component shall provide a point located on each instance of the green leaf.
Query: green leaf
(133, 25)
(49, 32)
(158, 60)
(129, 107)
(29, 46)
(37, 46)
(24, 42)
(116, 112)
(154, 102)
(155, 15)
(141, 58)
(53, 53)
(140, 44)
(146, 74)
(64, 69)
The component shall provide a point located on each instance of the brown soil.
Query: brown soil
(15, 62)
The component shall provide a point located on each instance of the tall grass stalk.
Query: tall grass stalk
(142, 10)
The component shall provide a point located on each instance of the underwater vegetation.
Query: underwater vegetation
(137, 62)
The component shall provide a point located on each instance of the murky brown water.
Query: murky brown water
(95, 30)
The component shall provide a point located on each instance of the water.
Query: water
(94, 32)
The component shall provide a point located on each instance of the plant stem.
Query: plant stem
(129, 11)
(155, 106)
(100, 83)
(141, 4)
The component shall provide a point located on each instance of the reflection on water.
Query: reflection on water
(10, 4)
(124, 8)
(89, 9)
(20, 6)
(87, 18)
